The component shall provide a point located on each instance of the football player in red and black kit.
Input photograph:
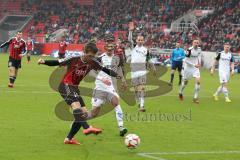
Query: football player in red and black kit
(17, 49)
(30, 48)
(62, 48)
(77, 69)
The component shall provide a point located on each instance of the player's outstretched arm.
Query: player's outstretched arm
(98, 66)
(5, 43)
(110, 72)
(130, 33)
(94, 74)
(49, 62)
(59, 62)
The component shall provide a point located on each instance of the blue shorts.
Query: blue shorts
(177, 65)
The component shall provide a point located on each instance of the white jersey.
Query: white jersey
(112, 63)
(193, 57)
(138, 61)
(224, 61)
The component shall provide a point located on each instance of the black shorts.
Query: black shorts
(70, 94)
(177, 65)
(61, 55)
(29, 52)
(16, 63)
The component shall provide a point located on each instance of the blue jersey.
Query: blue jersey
(178, 54)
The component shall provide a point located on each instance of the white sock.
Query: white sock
(225, 91)
(219, 90)
(141, 102)
(142, 99)
(196, 91)
(182, 87)
(119, 116)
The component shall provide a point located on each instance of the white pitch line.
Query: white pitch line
(30, 92)
(150, 155)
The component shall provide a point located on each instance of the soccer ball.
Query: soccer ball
(132, 141)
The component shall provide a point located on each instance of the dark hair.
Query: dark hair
(196, 39)
(90, 47)
(19, 31)
(109, 37)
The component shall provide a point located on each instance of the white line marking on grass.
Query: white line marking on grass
(31, 92)
(146, 155)
(151, 155)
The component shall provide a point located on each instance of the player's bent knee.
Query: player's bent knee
(115, 101)
(78, 114)
(95, 111)
(76, 105)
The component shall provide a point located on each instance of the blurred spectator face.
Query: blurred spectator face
(226, 48)
(140, 40)
(110, 46)
(177, 44)
(29, 39)
(119, 41)
(19, 35)
(195, 43)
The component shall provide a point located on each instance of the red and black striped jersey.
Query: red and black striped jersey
(77, 69)
(30, 45)
(16, 47)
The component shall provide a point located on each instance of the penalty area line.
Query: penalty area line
(156, 154)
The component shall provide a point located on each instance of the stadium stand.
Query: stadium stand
(85, 18)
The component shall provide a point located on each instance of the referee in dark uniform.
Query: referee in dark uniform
(178, 54)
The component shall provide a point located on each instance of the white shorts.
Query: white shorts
(189, 73)
(224, 77)
(101, 97)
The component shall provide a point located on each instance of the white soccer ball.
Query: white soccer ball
(132, 141)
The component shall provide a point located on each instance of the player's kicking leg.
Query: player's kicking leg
(71, 96)
(76, 125)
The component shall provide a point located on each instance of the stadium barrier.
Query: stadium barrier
(49, 48)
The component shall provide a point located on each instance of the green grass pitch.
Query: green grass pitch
(29, 129)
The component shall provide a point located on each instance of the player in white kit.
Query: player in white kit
(225, 68)
(139, 59)
(106, 86)
(191, 65)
